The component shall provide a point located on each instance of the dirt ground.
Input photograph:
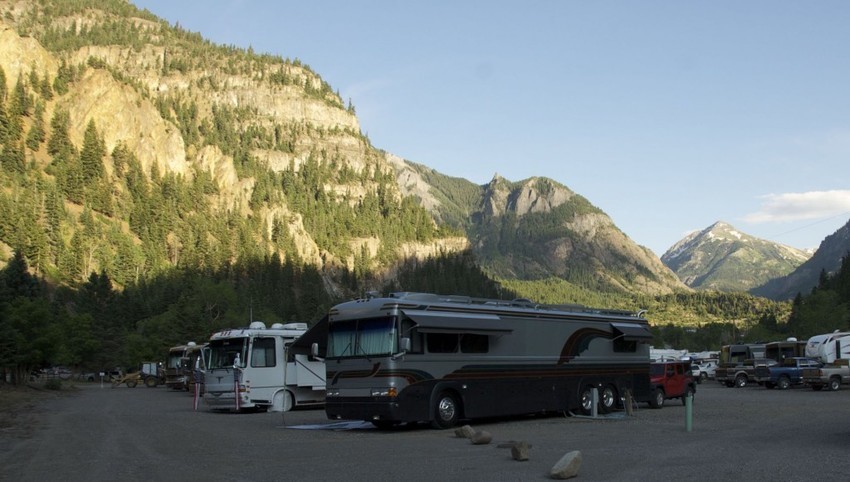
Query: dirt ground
(21, 408)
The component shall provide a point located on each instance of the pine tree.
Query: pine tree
(36, 134)
(91, 156)
(60, 141)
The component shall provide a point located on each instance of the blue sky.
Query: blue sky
(667, 115)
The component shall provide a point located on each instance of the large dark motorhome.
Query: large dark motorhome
(414, 357)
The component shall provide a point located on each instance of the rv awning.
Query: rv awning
(446, 322)
(631, 332)
(317, 333)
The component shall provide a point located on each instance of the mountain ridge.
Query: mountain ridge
(827, 259)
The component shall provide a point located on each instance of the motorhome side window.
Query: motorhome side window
(451, 342)
(441, 342)
(470, 343)
(262, 353)
(625, 346)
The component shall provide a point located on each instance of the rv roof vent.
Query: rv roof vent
(192, 343)
(257, 325)
(295, 326)
(791, 338)
(277, 326)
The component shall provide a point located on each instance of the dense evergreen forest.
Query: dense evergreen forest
(96, 326)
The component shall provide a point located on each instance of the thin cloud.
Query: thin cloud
(800, 206)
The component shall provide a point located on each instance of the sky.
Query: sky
(667, 115)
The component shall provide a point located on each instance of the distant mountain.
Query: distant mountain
(725, 259)
(827, 259)
(536, 229)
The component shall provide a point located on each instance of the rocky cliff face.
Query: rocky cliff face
(139, 97)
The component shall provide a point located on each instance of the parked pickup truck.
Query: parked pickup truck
(789, 373)
(831, 376)
(742, 374)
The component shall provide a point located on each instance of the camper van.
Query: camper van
(254, 368)
(414, 357)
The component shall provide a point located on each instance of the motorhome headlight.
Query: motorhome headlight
(385, 392)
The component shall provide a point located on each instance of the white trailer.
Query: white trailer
(833, 350)
(257, 364)
(829, 347)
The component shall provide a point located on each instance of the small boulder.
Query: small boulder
(567, 467)
(481, 437)
(519, 451)
(464, 432)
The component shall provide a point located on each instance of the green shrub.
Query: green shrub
(53, 384)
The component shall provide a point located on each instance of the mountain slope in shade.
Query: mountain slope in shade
(827, 259)
(725, 259)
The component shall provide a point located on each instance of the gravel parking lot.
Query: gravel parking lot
(153, 434)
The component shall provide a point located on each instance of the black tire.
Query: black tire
(688, 392)
(834, 384)
(784, 383)
(657, 400)
(446, 411)
(741, 381)
(150, 382)
(585, 400)
(608, 399)
(132, 383)
(703, 376)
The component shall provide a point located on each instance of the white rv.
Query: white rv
(257, 364)
(833, 350)
(829, 347)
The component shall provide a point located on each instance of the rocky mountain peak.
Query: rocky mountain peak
(722, 257)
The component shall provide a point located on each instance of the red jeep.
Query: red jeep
(670, 380)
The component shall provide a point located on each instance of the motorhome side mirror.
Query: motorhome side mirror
(405, 347)
(314, 350)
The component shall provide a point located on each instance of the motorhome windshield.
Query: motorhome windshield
(222, 353)
(174, 358)
(362, 338)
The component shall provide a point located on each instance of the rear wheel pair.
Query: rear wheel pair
(607, 399)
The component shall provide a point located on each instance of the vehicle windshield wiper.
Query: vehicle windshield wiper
(358, 346)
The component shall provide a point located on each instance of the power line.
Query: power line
(845, 213)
